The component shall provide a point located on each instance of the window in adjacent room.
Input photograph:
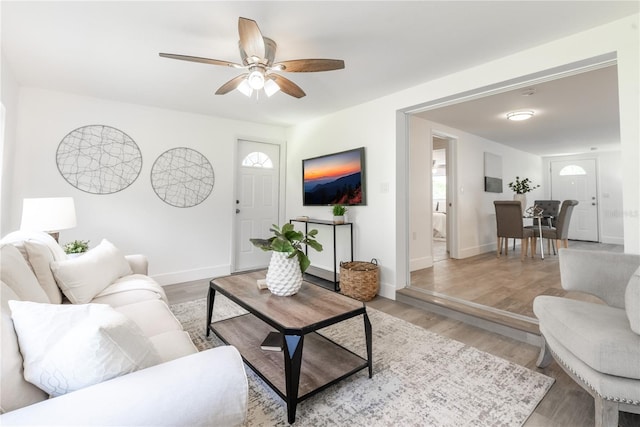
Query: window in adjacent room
(572, 170)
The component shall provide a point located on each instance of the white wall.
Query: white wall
(475, 219)
(420, 190)
(609, 184)
(364, 126)
(9, 98)
(181, 243)
(379, 125)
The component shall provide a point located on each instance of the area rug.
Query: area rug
(419, 378)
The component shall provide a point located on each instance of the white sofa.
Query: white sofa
(598, 345)
(184, 388)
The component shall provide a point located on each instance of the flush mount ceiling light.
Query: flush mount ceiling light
(519, 115)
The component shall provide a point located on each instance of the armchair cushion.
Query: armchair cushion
(84, 277)
(597, 334)
(69, 347)
(632, 301)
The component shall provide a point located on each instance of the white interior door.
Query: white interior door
(257, 184)
(576, 180)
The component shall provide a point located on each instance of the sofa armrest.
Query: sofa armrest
(603, 274)
(203, 389)
(139, 263)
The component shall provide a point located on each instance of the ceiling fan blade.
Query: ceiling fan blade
(310, 65)
(231, 84)
(287, 86)
(251, 40)
(201, 60)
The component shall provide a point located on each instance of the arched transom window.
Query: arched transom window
(572, 170)
(257, 159)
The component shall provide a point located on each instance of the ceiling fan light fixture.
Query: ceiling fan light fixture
(270, 87)
(245, 89)
(519, 115)
(256, 79)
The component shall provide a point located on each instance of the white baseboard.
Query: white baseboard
(477, 250)
(191, 275)
(388, 291)
(613, 240)
(420, 263)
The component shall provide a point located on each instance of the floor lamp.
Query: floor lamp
(48, 214)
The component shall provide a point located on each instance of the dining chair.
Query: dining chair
(550, 210)
(509, 224)
(558, 234)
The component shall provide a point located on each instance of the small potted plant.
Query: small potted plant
(76, 248)
(521, 188)
(288, 260)
(338, 213)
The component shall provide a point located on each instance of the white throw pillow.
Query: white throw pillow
(40, 258)
(84, 277)
(16, 273)
(69, 347)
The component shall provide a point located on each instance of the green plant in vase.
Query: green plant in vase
(76, 247)
(338, 213)
(289, 241)
(288, 260)
(522, 186)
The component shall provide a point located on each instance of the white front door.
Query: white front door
(257, 184)
(576, 180)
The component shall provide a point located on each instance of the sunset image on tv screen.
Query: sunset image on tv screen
(334, 179)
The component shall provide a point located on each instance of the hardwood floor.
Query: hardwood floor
(505, 283)
(565, 405)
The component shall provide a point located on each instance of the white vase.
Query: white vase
(522, 198)
(338, 219)
(284, 277)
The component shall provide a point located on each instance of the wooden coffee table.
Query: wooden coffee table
(293, 374)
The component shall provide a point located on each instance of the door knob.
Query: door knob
(593, 204)
(237, 211)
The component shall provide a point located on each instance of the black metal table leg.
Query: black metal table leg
(292, 364)
(367, 334)
(211, 295)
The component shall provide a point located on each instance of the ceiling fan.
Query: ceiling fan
(258, 54)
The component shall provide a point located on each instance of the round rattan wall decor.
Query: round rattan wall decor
(99, 159)
(182, 177)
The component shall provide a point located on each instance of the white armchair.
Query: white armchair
(598, 345)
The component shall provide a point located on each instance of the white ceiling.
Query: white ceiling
(571, 115)
(110, 49)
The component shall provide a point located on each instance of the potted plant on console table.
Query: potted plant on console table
(288, 261)
(338, 213)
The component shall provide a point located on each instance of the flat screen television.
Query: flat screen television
(337, 178)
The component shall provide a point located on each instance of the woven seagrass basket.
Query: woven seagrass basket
(359, 279)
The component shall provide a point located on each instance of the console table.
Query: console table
(334, 226)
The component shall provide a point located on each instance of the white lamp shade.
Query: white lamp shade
(48, 214)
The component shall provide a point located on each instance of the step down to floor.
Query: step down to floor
(512, 325)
